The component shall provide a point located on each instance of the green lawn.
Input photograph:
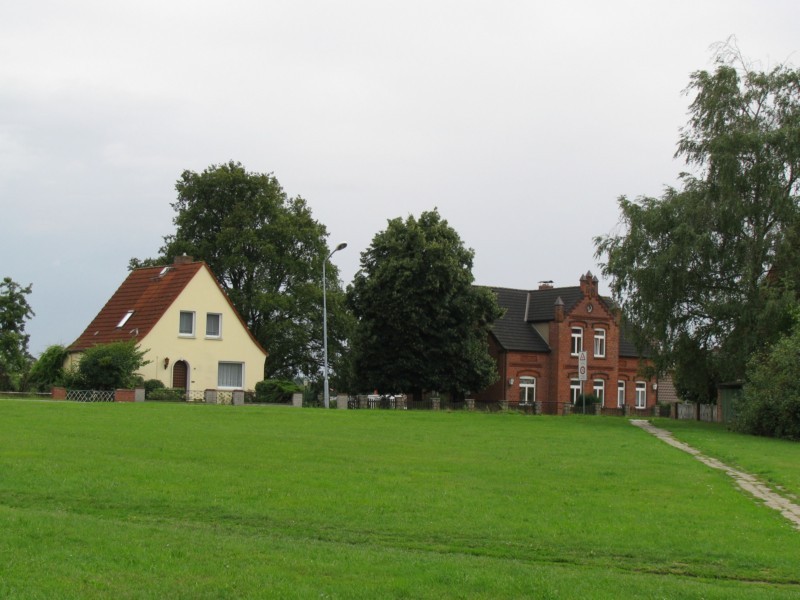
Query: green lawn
(169, 500)
(776, 462)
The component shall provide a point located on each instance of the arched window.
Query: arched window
(600, 343)
(600, 390)
(577, 341)
(527, 390)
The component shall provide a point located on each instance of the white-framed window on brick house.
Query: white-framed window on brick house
(213, 325)
(527, 390)
(575, 390)
(230, 375)
(186, 323)
(641, 394)
(576, 346)
(620, 394)
(600, 343)
(600, 390)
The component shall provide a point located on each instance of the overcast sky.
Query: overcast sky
(522, 121)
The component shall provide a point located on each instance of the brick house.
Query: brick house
(536, 345)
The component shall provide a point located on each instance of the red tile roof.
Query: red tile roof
(148, 292)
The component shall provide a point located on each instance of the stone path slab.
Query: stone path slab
(749, 483)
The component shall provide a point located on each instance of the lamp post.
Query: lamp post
(341, 246)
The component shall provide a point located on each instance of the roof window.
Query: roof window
(124, 319)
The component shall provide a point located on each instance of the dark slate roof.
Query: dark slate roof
(511, 330)
(542, 303)
(626, 346)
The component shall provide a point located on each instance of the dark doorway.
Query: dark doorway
(180, 374)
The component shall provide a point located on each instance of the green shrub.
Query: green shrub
(151, 385)
(163, 394)
(770, 402)
(275, 391)
(48, 370)
(111, 366)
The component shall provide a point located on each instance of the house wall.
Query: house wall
(202, 354)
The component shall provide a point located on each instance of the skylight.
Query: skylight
(124, 320)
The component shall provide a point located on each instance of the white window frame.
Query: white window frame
(576, 341)
(217, 335)
(575, 390)
(620, 393)
(641, 394)
(241, 375)
(180, 322)
(599, 343)
(527, 390)
(599, 390)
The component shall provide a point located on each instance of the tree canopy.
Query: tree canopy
(266, 250)
(707, 273)
(14, 312)
(421, 324)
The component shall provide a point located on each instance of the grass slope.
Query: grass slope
(152, 500)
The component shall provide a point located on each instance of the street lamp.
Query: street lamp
(341, 246)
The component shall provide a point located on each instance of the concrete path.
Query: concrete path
(746, 481)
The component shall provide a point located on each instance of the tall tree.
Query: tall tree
(421, 324)
(14, 311)
(266, 250)
(706, 273)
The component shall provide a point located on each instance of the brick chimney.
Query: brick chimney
(183, 259)
(546, 285)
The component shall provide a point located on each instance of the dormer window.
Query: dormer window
(124, 319)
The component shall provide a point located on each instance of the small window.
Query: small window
(600, 343)
(213, 325)
(641, 394)
(575, 390)
(600, 390)
(124, 319)
(527, 390)
(186, 326)
(230, 375)
(577, 341)
(620, 394)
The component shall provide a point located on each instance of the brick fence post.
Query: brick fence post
(210, 397)
(124, 396)
(58, 393)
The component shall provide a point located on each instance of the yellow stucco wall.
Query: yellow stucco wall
(202, 354)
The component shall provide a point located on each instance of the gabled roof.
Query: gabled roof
(511, 330)
(147, 292)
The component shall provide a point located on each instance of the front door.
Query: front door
(180, 373)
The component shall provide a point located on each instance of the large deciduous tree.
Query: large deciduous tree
(266, 250)
(421, 324)
(14, 311)
(706, 273)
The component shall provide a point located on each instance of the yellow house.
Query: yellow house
(194, 337)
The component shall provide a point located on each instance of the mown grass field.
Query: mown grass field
(180, 501)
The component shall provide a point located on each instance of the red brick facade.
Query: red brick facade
(546, 353)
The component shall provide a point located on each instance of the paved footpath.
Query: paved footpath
(746, 481)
